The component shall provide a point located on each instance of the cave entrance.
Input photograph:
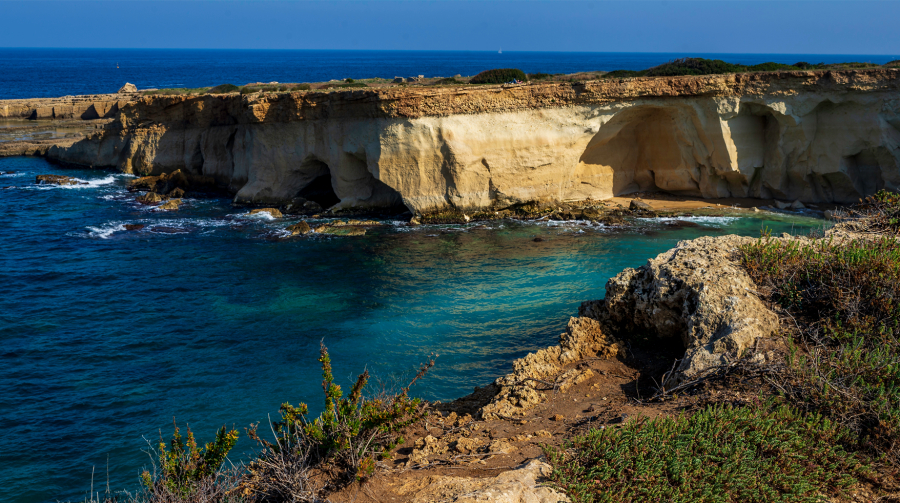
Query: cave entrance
(313, 178)
(642, 149)
(320, 191)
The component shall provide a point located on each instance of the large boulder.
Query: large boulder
(696, 292)
(127, 88)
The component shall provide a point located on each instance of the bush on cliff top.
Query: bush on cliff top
(499, 76)
(701, 66)
(224, 89)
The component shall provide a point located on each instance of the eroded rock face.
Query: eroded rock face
(695, 292)
(517, 392)
(525, 484)
(807, 136)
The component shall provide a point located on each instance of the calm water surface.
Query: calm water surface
(34, 73)
(214, 318)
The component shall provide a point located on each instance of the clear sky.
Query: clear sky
(711, 26)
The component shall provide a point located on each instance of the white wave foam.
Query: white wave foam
(105, 231)
(702, 220)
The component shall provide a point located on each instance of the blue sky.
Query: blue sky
(810, 27)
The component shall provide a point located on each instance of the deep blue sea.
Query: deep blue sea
(210, 317)
(33, 73)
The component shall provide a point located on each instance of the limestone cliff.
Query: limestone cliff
(828, 136)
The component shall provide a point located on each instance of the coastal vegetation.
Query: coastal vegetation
(345, 443)
(499, 76)
(827, 411)
(702, 66)
(760, 454)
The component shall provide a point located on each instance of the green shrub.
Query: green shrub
(538, 76)
(184, 467)
(447, 81)
(498, 76)
(247, 90)
(223, 89)
(771, 67)
(845, 298)
(302, 87)
(351, 433)
(893, 64)
(762, 453)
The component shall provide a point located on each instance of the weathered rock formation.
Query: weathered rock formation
(515, 393)
(525, 484)
(696, 293)
(829, 136)
(86, 107)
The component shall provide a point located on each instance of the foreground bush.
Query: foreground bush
(186, 473)
(752, 454)
(845, 356)
(498, 76)
(349, 438)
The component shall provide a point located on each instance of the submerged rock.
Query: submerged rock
(150, 198)
(170, 205)
(58, 180)
(134, 227)
(340, 230)
(272, 212)
(299, 228)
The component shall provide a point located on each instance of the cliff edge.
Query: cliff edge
(826, 136)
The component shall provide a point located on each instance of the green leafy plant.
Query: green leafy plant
(761, 453)
(499, 76)
(182, 467)
(539, 76)
(351, 433)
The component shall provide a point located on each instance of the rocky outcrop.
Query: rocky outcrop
(57, 180)
(695, 292)
(86, 107)
(525, 484)
(127, 88)
(827, 136)
(515, 393)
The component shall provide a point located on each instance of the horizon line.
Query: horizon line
(491, 51)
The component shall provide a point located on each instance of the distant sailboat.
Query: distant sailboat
(117, 65)
(500, 51)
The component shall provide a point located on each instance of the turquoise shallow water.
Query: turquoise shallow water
(214, 318)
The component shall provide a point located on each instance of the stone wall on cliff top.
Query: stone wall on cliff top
(812, 136)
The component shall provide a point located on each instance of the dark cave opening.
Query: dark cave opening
(320, 191)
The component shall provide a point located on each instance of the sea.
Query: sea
(209, 316)
(42, 73)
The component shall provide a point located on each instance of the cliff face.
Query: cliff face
(813, 136)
